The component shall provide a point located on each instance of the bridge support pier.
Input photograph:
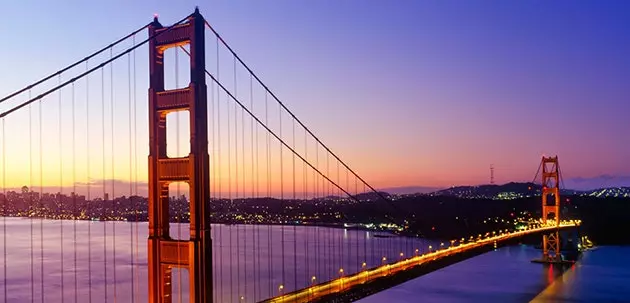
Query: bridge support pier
(165, 253)
(551, 247)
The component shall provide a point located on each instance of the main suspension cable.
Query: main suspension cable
(61, 85)
(379, 194)
(61, 71)
(537, 172)
(291, 113)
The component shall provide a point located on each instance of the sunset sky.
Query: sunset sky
(408, 93)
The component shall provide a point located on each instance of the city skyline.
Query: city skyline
(441, 114)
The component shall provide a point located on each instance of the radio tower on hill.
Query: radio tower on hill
(491, 174)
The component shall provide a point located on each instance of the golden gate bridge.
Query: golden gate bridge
(239, 142)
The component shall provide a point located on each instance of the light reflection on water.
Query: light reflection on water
(507, 275)
(244, 262)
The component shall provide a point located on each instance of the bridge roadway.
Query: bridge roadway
(345, 283)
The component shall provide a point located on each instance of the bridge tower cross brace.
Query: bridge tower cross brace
(551, 186)
(165, 253)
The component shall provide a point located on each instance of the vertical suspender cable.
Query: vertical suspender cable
(259, 228)
(317, 234)
(243, 195)
(131, 198)
(88, 181)
(219, 177)
(356, 192)
(237, 167)
(74, 197)
(295, 286)
(213, 183)
(105, 198)
(252, 181)
(111, 96)
(135, 156)
(29, 191)
(341, 242)
(307, 272)
(212, 180)
(41, 205)
(331, 233)
(4, 210)
(282, 198)
(229, 144)
(372, 239)
(61, 194)
(255, 192)
(356, 228)
(269, 231)
(364, 232)
(236, 181)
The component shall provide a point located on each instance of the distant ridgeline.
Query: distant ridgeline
(515, 190)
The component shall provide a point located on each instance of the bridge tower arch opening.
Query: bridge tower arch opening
(551, 208)
(165, 253)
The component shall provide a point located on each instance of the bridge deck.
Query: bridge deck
(343, 284)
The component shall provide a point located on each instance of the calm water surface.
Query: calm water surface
(507, 275)
(249, 262)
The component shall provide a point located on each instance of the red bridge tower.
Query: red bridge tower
(164, 252)
(551, 209)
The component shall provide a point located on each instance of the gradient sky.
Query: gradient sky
(410, 93)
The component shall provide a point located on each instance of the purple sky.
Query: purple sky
(410, 93)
